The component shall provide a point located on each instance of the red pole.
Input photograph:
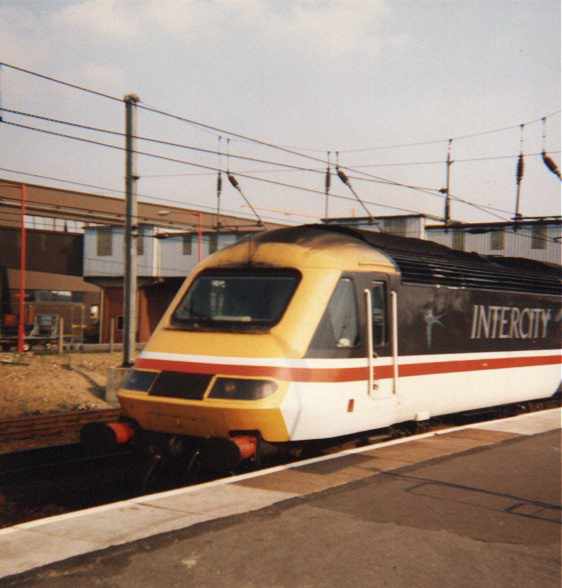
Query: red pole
(23, 255)
(199, 238)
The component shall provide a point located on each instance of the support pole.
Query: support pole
(200, 237)
(219, 192)
(448, 185)
(60, 345)
(131, 235)
(100, 316)
(519, 173)
(327, 185)
(23, 259)
(111, 334)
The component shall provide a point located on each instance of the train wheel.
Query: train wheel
(192, 470)
(151, 473)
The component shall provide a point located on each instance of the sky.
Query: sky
(370, 79)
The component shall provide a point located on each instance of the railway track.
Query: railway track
(52, 425)
(61, 479)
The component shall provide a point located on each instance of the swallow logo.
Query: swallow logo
(431, 320)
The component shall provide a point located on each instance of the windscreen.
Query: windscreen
(238, 300)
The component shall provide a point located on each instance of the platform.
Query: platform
(479, 505)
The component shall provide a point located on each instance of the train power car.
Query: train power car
(316, 332)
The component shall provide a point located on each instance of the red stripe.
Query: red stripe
(303, 374)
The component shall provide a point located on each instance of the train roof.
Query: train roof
(426, 262)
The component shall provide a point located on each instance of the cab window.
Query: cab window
(378, 308)
(339, 326)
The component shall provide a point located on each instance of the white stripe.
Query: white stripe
(341, 363)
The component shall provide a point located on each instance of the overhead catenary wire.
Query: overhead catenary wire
(229, 155)
(287, 149)
(459, 137)
(12, 208)
(163, 142)
(367, 177)
(345, 180)
(363, 165)
(201, 125)
(378, 178)
(283, 184)
(236, 185)
(120, 191)
(483, 208)
(548, 161)
(272, 182)
(207, 167)
(62, 82)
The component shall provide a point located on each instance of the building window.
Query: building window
(187, 244)
(395, 226)
(104, 242)
(458, 240)
(538, 238)
(213, 243)
(497, 240)
(140, 243)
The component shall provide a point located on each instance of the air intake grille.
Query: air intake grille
(180, 385)
(426, 262)
(453, 272)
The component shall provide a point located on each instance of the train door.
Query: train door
(379, 317)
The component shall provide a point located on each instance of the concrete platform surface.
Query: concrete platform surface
(477, 506)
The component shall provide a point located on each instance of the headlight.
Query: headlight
(238, 389)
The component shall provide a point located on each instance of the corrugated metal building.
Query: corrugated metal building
(532, 238)
(538, 239)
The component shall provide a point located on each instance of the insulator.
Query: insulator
(219, 183)
(233, 181)
(328, 180)
(520, 168)
(551, 165)
(342, 176)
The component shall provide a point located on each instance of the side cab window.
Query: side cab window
(339, 328)
(378, 309)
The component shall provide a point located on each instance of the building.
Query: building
(403, 225)
(59, 295)
(53, 282)
(532, 238)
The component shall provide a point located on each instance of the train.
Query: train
(319, 332)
